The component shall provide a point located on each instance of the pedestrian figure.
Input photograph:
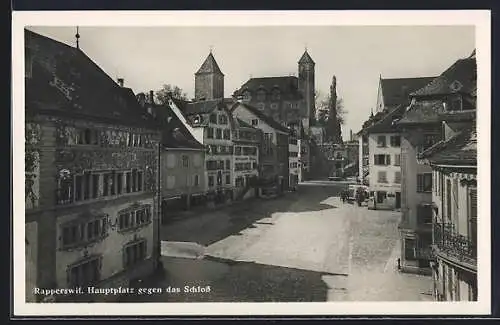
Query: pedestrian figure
(399, 264)
(359, 196)
(343, 196)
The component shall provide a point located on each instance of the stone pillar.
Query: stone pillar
(188, 201)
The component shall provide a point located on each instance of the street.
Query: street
(304, 246)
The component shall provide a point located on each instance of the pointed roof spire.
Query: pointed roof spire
(210, 65)
(306, 58)
(371, 114)
(77, 36)
(473, 54)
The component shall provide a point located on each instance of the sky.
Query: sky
(148, 57)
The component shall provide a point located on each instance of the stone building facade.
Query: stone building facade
(288, 99)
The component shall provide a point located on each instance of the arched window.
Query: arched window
(247, 95)
(276, 95)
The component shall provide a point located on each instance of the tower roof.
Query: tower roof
(306, 58)
(209, 66)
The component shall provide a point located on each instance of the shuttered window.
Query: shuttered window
(473, 215)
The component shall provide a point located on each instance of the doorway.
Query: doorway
(398, 200)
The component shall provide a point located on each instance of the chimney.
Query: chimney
(151, 97)
(350, 136)
(120, 81)
(141, 98)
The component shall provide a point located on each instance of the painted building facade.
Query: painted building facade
(274, 161)
(246, 141)
(91, 176)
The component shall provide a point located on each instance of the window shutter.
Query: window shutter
(388, 162)
(473, 203)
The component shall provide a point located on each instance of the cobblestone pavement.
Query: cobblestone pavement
(305, 246)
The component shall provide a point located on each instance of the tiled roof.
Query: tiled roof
(306, 58)
(209, 66)
(460, 149)
(459, 78)
(94, 94)
(288, 86)
(425, 111)
(372, 120)
(200, 107)
(243, 124)
(396, 90)
(174, 132)
(268, 120)
(386, 124)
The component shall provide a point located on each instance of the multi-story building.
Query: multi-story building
(209, 123)
(293, 158)
(182, 161)
(246, 141)
(384, 146)
(274, 162)
(288, 99)
(454, 195)
(392, 95)
(304, 143)
(447, 98)
(92, 156)
(208, 120)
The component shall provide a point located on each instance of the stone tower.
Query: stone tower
(306, 87)
(209, 80)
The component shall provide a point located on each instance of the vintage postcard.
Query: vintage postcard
(251, 163)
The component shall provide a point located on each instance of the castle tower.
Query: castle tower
(306, 86)
(209, 80)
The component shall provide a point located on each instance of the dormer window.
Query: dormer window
(247, 95)
(261, 95)
(455, 104)
(276, 94)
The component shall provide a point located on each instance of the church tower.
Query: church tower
(306, 87)
(209, 80)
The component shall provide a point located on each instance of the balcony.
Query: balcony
(453, 245)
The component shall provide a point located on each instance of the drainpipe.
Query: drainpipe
(158, 207)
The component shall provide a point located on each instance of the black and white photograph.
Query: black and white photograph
(235, 158)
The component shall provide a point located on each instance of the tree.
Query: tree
(323, 109)
(174, 91)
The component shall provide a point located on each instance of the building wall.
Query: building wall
(209, 86)
(111, 248)
(246, 153)
(267, 161)
(178, 179)
(293, 149)
(216, 154)
(392, 185)
(31, 259)
(287, 111)
(410, 168)
(307, 87)
(63, 155)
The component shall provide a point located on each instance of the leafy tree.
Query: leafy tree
(174, 91)
(323, 109)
